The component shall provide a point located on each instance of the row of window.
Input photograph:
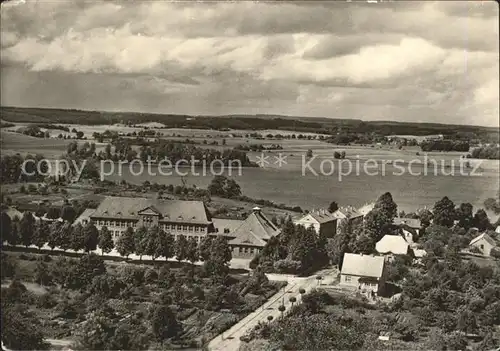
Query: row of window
(166, 227)
(182, 228)
(347, 279)
(121, 224)
(247, 250)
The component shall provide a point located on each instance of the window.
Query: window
(240, 249)
(251, 250)
(107, 223)
(185, 228)
(113, 223)
(196, 228)
(347, 278)
(179, 227)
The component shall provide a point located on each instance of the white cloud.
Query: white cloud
(372, 63)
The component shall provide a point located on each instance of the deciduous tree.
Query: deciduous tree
(125, 244)
(164, 322)
(444, 212)
(192, 250)
(105, 240)
(26, 229)
(5, 227)
(481, 221)
(42, 232)
(140, 241)
(91, 236)
(181, 248)
(464, 215)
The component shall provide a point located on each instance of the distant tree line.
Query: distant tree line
(174, 151)
(486, 153)
(258, 122)
(445, 145)
(258, 147)
(53, 126)
(6, 125)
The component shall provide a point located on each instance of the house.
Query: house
(418, 253)
(322, 221)
(348, 213)
(366, 208)
(392, 244)
(226, 227)
(484, 243)
(410, 226)
(13, 213)
(251, 236)
(84, 218)
(186, 218)
(363, 272)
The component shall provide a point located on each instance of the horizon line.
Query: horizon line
(250, 115)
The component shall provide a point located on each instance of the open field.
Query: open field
(255, 122)
(12, 143)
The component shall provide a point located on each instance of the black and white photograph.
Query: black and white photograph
(250, 175)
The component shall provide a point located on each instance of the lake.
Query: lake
(288, 184)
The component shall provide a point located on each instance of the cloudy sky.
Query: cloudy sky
(412, 61)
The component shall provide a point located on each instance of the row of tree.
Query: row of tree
(445, 145)
(486, 152)
(151, 241)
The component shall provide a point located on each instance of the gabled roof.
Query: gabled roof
(85, 216)
(363, 265)
(419, 253)
(394, 244)
(248, 238)
(347, 212)
(13, 212)
(220, 224)
(150, 210)
(321, 216)
(255, 230)
(363, 210)
(171, 210)
(484, 236)
(410, 222)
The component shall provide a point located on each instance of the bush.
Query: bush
(495, 253)
(133, 276)
(46, 301)
(287, 266)
(150, 276)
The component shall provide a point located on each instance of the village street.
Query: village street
(230, 339)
